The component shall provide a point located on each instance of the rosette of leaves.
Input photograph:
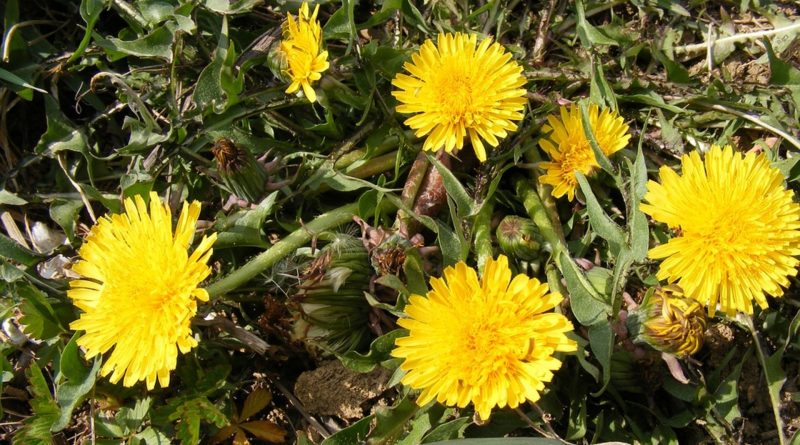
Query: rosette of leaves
(334, 311)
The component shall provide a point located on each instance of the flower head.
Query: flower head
(139, 290)
(570, 151)
(460, 89)
(302, 48)
(739, 229)
(671, 323)
(489, 342)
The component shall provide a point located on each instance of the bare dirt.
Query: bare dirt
(333, 390)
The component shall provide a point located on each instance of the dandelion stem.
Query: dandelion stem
(539, 214)
(351, 142)
(347, 159)
(372, 167)
(554, 282)
(545, 193)
(410, 189)
(483, 233)
(375, 165)
(542, 33)
(125, 9)
(281, 249)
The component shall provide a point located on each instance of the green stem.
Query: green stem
(351, 142)
(545, 192)
(554, 280)
(483, 233)
(369, 168)
(129, 12)
(281, 249)
(375, 166)
(347, 159)
(539, 214)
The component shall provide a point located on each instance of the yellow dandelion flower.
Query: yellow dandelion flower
(489, 342)
(570, 151)
(302, 49)
(672, 323)
(739, 229)
(138, 290)
(460, 89)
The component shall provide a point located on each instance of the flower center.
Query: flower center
(578, 156)
(727, 231)
(156, 279)
(492, 343)
(455, 95)
(453, 89)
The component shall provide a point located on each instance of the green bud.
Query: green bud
(335, 313)
(277, 63)
(520, 238)
(240, 171)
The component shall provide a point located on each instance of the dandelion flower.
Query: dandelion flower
(669, 322)
(460, 89)
(489, 342)
(738, 229)
(302, 48)
(570, 151)
(139, 289)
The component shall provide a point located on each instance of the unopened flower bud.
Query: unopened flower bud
(334, 311)
(669, 322)
(520, 238)
(239, 170)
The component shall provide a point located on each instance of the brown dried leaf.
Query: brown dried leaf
(240, 438)
(265, 430)
(224, 433)
(256, 401)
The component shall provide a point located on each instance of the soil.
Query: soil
(757, 424)
(333, 390)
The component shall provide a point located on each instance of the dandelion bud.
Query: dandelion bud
(669, 322)
(239, 170)
(335, 314)
(519, 237)
(277, 64)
